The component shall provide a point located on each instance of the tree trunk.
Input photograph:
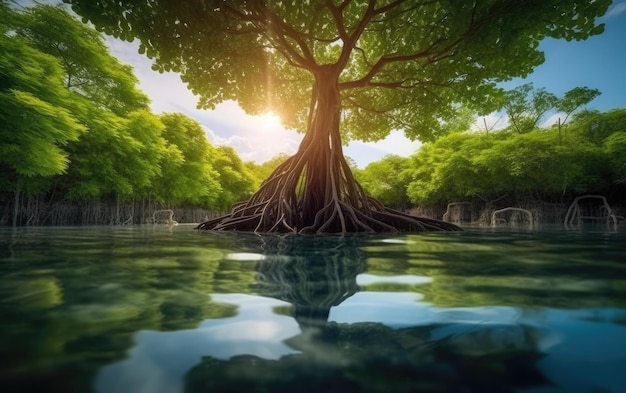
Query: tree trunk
(323, 156)
(16, 205)
(314, 191)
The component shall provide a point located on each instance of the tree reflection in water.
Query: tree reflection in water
(143, 310)
(364, 357)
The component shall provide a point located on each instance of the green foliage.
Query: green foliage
(385, 180)
(461, 122)
(117, 156)
(236, 182)
(450, 169)
(597, 127)
(75, 122)
(398, 65)
(526, 106)
(187, 172)
(90, 70)
(144, 146)
(574, 99)
(538, 163)
(36, 121)
(264, 170)
(615, 148)
(63, 80)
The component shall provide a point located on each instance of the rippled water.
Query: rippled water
(157, 309)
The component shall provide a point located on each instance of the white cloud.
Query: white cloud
(493, 121)
(395, 143)
(552, 120)
(260, 149)
(167, 92)
(616, 9)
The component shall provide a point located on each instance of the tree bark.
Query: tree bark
(315, 191)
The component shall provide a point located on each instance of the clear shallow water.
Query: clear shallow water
(152, 309)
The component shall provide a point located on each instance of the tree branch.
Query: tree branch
(278, 33)
(475, 25)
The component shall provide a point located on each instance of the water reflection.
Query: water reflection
(367, 355)
(132, 310)
(311, 274)
(159, 360)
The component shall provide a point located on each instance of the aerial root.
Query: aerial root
(336, 217)
(279, 206)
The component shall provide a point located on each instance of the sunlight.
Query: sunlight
(270, 120)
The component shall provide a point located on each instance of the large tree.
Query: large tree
(340, 70)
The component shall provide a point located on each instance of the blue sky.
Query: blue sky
(599, 62)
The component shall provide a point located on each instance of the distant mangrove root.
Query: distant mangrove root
(162, 217)
(496, 216)
(589, 208)
(455, 211)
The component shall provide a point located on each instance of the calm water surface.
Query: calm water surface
(157, 309)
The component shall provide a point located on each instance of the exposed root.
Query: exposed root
(342, 220)
(314, 191)
(275, 207)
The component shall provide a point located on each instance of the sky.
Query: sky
(599, 62)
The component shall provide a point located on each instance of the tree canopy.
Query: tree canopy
(187, 173)
(526, 106)
(401, 64)
(90, 70)
(540, 164)
(34, 111)
(77, 130)
(341, 70)
(385, 180)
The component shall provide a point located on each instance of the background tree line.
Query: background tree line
(76, 129)
(519, 165)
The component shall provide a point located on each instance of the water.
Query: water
(157, 309)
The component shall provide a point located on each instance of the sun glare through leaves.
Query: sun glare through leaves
(270, 121)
